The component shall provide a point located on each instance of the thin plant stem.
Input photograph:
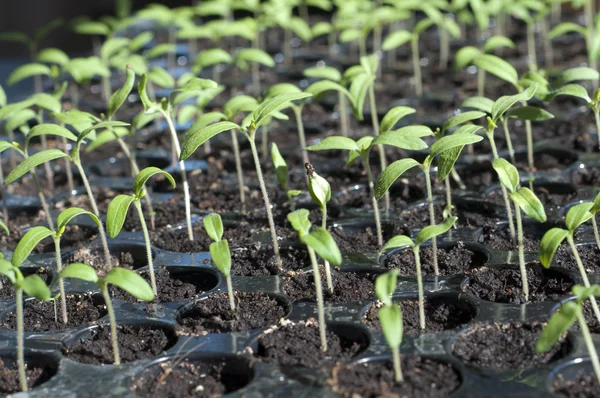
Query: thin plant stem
(529, 133)
(511, 225)
(431, 218)
(265, 195)
(47, 167)
(532, 59)
(68, 168)
(362, 47)
(264, 143)
(301, 135)
(377, 31)
(588, 7)
(101, 230)
(416, 58)
(511, 151)
(397, 365)
(343, 113)
(61, 283)
(444, 48)
(548, 51)
(367, 164)
(113, 323)
(597, 118)
(327, 266)
(584, 277)
(420, 288)
(20, 340)
(480, 82)
(589, 343)
(138, 206)
(521, 254)
(448, 192)
(375, 123)
(238, 169)
(596, 233)
(230, 293)
(43, 200)
(287, 47)
(3, 193)
(319, 291)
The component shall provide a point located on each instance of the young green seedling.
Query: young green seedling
(524, 199)
(562, 320)
(390, 317)
(261, 115)
(36, 234)
(595, 209)
(219, 251)
(32, 285)
(123, 278)
(576, 216)
(427, 233)
(254, 56)
(318, 241)
(119, 206)
(281, 171)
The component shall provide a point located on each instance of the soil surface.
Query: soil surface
(364, 239)
(590, 257)
(400, 196)
(259, 260)
(505, 346)
(451, 261)
(95, 258)
(347, 286)
(135, 343)
(7, 291)
(371, 380)
(298, 345)
(9, 376)
(583, 386)
(213, 314)
(504, 285)
(498, 237)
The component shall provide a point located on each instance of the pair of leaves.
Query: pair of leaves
(423, 236)
(385, 286)
(319, 239)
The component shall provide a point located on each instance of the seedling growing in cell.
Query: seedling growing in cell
(119, 206)
(390, 317)
(318, 241)
(569, 312)
(427, 233)
(281, 171)
(594, 210)
(123, 278)
(524, 199)
(219, 251)
(576, 216)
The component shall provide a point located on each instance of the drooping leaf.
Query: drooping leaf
(392, 117)
(576, 74)
(566, 27)
(131, 282)
(480, 103)
(557, 326)
(574, 90)
(255, 55)
(106, 136)
(161, 77)
(321, 241)
(112, 46)
(47, 101)
(26, 71)
(432, 231)
(116, 214)
(400, 140)
(550, 243)
(533, 113)
(49, 129)
(266, 109)
(497, 67)
(396, 39)
(79, 271)
(67, 215)
(323, 86)
(212, 56)
(578, 215)
(160, 49)
(142, 92)
(239, 103)
(28, 242)
(507, 174)
(53, 56)
(213, 225)
(390, 318)
(20, 119)
(385, 286)
(34, 286)
(496, 42)
(465, 56)
(299, 221)
(461, 118)
(358, 91)
(529, 203)
(448, 158)
(107, 124)
(221, 256)
(193, 139)
(503, 104)
(146, 174)
(300, 28)
(391, 174)
(8, 270)
(140, 41)
(324, 72)
(451, 141)
(395, 242)
(34, 160)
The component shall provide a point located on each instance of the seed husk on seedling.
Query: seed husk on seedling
(219, 251)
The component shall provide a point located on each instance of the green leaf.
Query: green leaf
(321, 28)
(480, 103)
(117, 211)
(400, 140)
(17, 37)
(550, 243)
(323, 86)
(47, 101)
(34, 286)
(321, 241)
(49, 129)
(496, 42)
(390, 318)
(131, 282)
(529, 203)
(566, 27)
(111, 46)
(497, 67)
(319, 188)
(452, 141)
(422, 26)
(385, 286)
(595, 208)
(67, 215)
(255, 55)
(4, 227)
(574, 90)
(28, 242)
(504, 103)
(578, 215)
(145, 175)
(239, 103)
(358, 91)
(281, 88)
(461, 118)
(335, 143)
(193, 139)
(396, 39)
(269, 106)
(140, 41)
(26, 71)
(20, 119)
(221, 256)
(507, 173)
(395, 242)
(300, 28)
(281, 169)
(79, 271)
(28, 164)
(142, 91)
(8, 270)
(2, 97)
(528, 112)
(106, 136)
(159, 50)
(92, 28)
(53, 56)
(324, 72)
(391, 174)
(448, 158)
(161, 77)
(213, 225)
(415, 131)
(212, 56)
(300, 222)
(392, 117)
(576, 74)
(557, 326)
(432, 231)
(465, 56)
(583, 293)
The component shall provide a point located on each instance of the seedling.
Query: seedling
(281, 171)
(261, 115)
(562, 320)
(123, 278)
(318, 241)
(576, 216)
(119, 206)
(524, 199)
(427, 233)
(390, 316)
(219, 251)
(594, 210)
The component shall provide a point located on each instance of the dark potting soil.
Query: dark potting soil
(7, 291)
(186, 378)
(9, 376)
(586, 176)
(39, 316)
(171, 287)
(178, 241)
(440, 315)
(451, 261)
(360, 198)
(545, 161)
(504, 285)
(96, 259)
(166, 215)
(583, 386)
(213, 313)
(364, 239)
(506, 346)
(545, 196)
(422, 378)
(75, 236)
(298, 345)
(498, 237)
(135, 342)
(259, 260)
(347, 286)
(590, 257)
(418, 216)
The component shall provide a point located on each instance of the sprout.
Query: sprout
(390, 316)
(219, 251)
(281, 170)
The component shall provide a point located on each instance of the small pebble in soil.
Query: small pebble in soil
(506, 346)
(582, 386)
(9, 375)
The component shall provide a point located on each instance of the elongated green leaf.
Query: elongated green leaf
(578, 215)
(28, 242)
(8, 270)
(273, 104)
(106, 136)
(461, 118)
(213, 225)
(390, 318)
(391, 174)
(452, 141)
(358, 90)
(161, 77)
(577, 74)
(396, 39)
(131, 282)
(319, 188)
(583, 293)
(392, 117)
(159, 50)
(116, 214)
(255, 55)
(53, 56)
(34, 286)
(139, 41)
(240, 103)
(47, 101)
(99, 126)
(400, 141)
(119, 96)
(528, 112)
(20, 119)
(282, 88)
(497, 67)
(557, 326)
(145, 175)
(31, 162)
(27, 70)
(432, 231)
(49, 129)
(92, 28)
(566, 27)
(395, 242)
(79, 271)
(507, 174)
(18, 37)
(193, 139)
(335, 143)
(111, 46)
(221, 256)
(281, 169)
(212, 56)
(323, 86)
(595, 208)
(529, 203)
(480, 103)
(67, 215)
(385, 286)
(300, 28)
(550, 243)
(142, 91)
(2, 97)
(503, 104)
(324, 72)
(422, 26)
(415, 131)
(299, 221)
(496, 42)
(448, 158)
(574, 90)
(321, 28)
(321, 241)
(465, 56)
